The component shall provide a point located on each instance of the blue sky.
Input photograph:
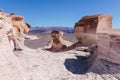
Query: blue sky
(61, 12)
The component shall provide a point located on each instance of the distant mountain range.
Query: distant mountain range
(49, 29)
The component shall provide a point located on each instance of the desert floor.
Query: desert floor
(44, 38)
(69, 65)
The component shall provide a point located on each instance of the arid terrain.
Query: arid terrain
(69, 65)
(94, 56)
(44, 38)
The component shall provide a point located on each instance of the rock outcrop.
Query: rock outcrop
(109, 47)
(57, 43)
(102, 64)
(10, 39)
(105, 59)
(18, 29)
(94, 23)
(87, 27)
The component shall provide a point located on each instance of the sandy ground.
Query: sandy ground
(70, 65)
(44, 38)
(45, 65)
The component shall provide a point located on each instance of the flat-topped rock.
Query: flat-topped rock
(94, 23)
(106, 58)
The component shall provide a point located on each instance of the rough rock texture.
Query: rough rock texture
(94, 24)
(107, 39)
(109, 47)
(18, 29)
(57, 43)
(39, 64)
(10, 66)
(87, 27)
(105, 60)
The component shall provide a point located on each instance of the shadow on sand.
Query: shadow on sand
(81, 65)
(77, 66)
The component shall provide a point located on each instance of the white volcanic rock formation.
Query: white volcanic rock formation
(39, 64)
(10, 66)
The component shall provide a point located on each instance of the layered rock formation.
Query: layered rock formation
(11, 30)
(94, 23)
(88, 26)
(57, 43)
(109, 47)
(106, 38)
(17, 29)
(103, 64)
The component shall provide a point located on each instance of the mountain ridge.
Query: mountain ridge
(49, 29)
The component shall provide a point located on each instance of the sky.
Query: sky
(61, 12)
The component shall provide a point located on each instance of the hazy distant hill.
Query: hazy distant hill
(49, 29)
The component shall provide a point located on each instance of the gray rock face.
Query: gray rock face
(98, 29)
(106, 58)
(109, 47)
(87, 27)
